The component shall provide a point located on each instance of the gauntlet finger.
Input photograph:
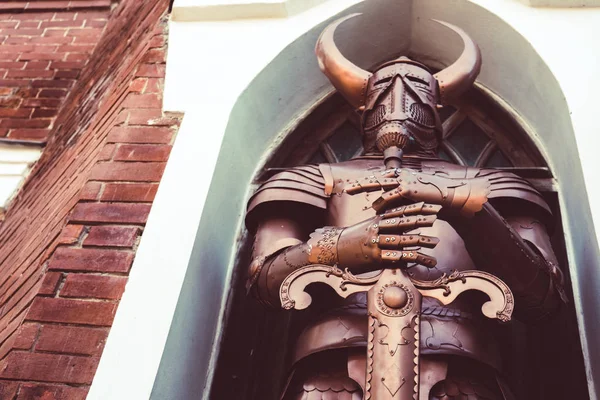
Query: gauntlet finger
(406, 223)
(393, 257)
(372, 183)
(401, 241)
(387, 199)
(412, 209)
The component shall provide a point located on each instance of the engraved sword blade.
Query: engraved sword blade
(394, 306)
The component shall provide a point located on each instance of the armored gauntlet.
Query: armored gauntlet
(379, 240)
(466, 196)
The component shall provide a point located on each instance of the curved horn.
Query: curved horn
(459, 76)
(348, 79)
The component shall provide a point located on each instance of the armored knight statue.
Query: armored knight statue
(400, 210)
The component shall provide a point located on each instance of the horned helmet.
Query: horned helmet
(398, 101)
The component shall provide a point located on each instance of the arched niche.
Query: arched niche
(288, 88)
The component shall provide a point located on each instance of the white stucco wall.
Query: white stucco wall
(210, 63)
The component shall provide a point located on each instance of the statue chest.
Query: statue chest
(451, 254)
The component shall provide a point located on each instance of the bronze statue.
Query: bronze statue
(398, 234)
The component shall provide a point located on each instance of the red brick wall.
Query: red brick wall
(70, 237)
(43, 47)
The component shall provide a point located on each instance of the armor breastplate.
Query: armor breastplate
(459, 330)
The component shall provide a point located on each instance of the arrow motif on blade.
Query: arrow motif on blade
(395, 338)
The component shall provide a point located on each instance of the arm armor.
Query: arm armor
(518, 251)
(279, 243)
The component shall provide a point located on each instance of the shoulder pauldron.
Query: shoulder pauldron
(304, 185)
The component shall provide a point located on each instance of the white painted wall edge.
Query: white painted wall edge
(137, 338)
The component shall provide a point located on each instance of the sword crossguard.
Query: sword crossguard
(292, 294)
(444, 289)
(448, 287)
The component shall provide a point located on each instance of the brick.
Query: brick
(8, 390)
(90, 260)
(155, 56)
(30, 24)
(57, 93)
(44, 112)
(17, 48)
(12, 64)
(95, 23)
(30, 73)
(8, 24)
(129, 192)
(155, 85)
(150, 135)
(41, 56)
(52, 40)
(31, 134)
(5, 56)
(128, 171)
(25, 123)
(142, 101)
(45, 48)
(48, 368)
(76, 57)
(91, 191)
(66, 16)
(53, 83)
(70, 234)
(111, 213)
(48, 5)
(107, 152)
(72, 311)
(132, 152)
(50, 103)
(55, 32)
(67, 74)
(26, 336)
(15, 82)
(15, 112)
(27, 92)
(37, 391)
(151, 71)
(40, 16)
(61, 24)
(81, 48)
(117, 236)
(37, 64)
(158, 41)
(67, 64)
(102, 15)
(138, 85)
(23, 32)
(94, 286)
(144, 116)
(17, 39)
(85, 32)
(12, 102)
(71, 340)
(50, 283)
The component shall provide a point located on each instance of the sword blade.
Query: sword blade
(394, 306)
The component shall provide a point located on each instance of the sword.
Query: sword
(394, 309)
